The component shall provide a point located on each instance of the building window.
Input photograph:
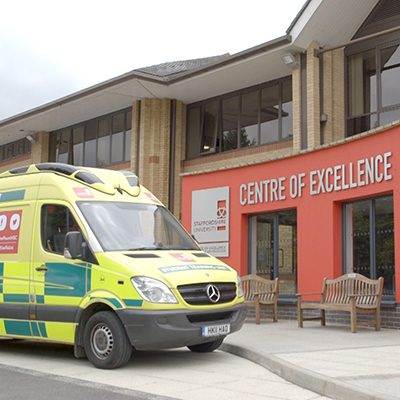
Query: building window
(373, 93)
(15, 149)
(369, 240)
(99, 142)
(251, 117)
(63, 151)
(273, 248)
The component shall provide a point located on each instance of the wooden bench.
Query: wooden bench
(261, 293)
(351, 292)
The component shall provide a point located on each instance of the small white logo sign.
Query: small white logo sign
(210, 217)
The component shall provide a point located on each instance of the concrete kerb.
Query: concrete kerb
(303, 377)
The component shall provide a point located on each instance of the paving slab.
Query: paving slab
(329, 360)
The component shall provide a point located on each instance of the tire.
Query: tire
(105, 341)
(206, 347)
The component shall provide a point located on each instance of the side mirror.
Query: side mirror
(73, 245)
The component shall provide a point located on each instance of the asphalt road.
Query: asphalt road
(19, 383)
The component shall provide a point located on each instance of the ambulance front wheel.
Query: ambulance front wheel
(106, 343)
(206, 347)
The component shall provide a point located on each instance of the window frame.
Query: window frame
(218, 135)
(15, 149)
(377, 44)
(276, 251)
(55, 138)
(372, 237)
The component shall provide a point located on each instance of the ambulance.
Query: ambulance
(91, 258)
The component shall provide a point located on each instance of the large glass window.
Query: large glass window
(78, 139)
(287, 110)
(251, 117)
(230, 123)
(103, 143)
(96, 143)
(194, 126)
(15, 149)
(390, 75)
(117, 138)
(273, 248)
(63, 148)
(373, 93)
(210, 127)
(90, 144)
(270, 114)
(128, 136)
(369, 240)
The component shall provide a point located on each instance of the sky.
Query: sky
(50, 49)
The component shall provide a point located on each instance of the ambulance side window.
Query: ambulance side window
(56, 222)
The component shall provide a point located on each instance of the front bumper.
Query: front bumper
(153, 330)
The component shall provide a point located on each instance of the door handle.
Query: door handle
(42, 268)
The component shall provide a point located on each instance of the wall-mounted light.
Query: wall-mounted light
(31, 138)
(289, 60)
(323, 118)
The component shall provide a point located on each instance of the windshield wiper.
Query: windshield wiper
(160, 246)
(154, 246)
(143, 248)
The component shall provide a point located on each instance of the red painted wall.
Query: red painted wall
(319, 216)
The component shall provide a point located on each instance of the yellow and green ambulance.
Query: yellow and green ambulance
(88, 257)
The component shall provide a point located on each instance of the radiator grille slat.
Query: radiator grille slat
(196, 294)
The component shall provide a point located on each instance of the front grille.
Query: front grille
(196, 294)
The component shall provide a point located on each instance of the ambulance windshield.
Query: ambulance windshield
(132, 226)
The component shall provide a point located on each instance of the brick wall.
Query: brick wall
(135, 136)
(313, 98)
(15, 162)
(154, 146)
(390, 316)
(238, 158)
(150, 148)
(334, 95)
(296, 94)
(180, 150)
(40, 149)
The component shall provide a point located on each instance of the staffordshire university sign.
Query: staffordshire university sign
(210, 220)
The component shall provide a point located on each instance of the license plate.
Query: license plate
(216, 330)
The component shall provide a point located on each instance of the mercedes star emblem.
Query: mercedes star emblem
(213, 293)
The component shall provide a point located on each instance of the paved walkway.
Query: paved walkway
(328, 360)
(278, 361)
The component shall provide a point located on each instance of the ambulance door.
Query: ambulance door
(59, 283)
(16, 223)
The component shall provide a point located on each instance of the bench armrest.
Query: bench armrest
(364, 295)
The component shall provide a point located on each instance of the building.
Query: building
(281, 159)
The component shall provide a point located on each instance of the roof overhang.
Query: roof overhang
(324, 21)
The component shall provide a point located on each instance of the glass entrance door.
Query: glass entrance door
(273, 248)
(369, 240)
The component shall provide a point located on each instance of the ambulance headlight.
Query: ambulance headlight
(153, 290)
(240, 287)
